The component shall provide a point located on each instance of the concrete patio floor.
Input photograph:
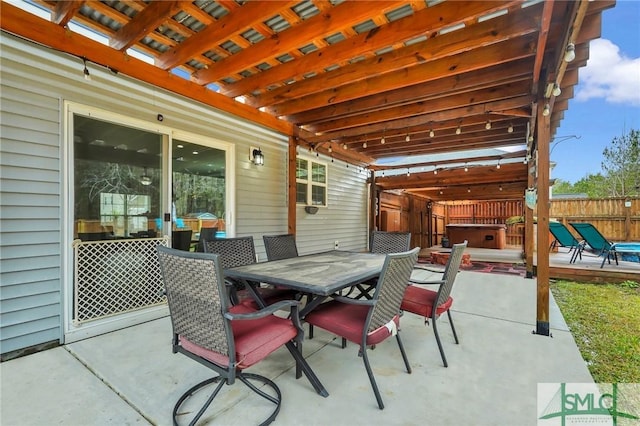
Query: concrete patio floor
(130, 377)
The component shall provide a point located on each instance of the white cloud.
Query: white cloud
(610, 75)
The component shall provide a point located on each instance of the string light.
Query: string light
(382, 140)
(458, 130)
(344, 146)
(330, 149)
(546, 110)
(364, 144)
(407, 138)
(510, 128)
(408, 172)
(556, 90)
(431, 133)
(468, 189)
(87, 76)
(435, 170)
(570, 52)
(498, 165)
(466, 168)
(488, 125)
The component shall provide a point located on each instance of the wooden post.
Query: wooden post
(373, 202)
(542, 316)
(529, 244)
(291, 201)
(627, 220)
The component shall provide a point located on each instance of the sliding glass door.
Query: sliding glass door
(134, 185)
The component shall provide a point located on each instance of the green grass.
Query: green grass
(605, 322)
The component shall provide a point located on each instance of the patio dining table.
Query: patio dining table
(316, 275)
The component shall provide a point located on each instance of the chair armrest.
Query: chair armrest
(424, 268)
(438, 282)
(266, 311)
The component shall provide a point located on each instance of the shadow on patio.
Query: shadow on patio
(131, 377)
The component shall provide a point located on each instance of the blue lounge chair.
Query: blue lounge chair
(564, 238)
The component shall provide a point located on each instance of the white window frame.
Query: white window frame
(310, 183)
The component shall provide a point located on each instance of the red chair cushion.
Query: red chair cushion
(346, 320)
(420, 301)
(254, 339)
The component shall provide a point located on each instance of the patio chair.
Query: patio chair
(564, 238)
(369, 322)
(241, 251)
(181, 240)
(596, 241)
(280, 246)
(431, 304)
(206, 234)
(390, 242)
(383, 242)
(227, 339)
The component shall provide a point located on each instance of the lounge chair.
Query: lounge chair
(564, 238)
(600, 244)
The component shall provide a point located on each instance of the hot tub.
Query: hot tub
(478, 235)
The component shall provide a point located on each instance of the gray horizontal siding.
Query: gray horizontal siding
(30, 261)
(35, 81)
(30, 208)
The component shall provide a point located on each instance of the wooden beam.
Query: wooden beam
(228, 26)
(463, 100)
(406, 123)
(31, 27)
(423, 22)
(65, 10)
(469, 160)
(341, 17)
(500, 53)
(457, 42)
(455, 176)
(143, 23)
(448, 85)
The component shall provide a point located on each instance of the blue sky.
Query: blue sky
(606, 101)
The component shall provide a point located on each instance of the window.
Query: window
(311, 183)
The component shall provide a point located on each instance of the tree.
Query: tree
(594, 185)
(622, 165)
(563, 187)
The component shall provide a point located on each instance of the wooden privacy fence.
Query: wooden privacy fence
(618, 219)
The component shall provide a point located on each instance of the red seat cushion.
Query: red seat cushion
(346, 320)
(254, 339)
(420, 301)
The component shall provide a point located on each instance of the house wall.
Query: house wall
(34, 233)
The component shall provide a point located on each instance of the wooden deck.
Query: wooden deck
(585, 270)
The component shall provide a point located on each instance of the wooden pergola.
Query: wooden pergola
(363, 81)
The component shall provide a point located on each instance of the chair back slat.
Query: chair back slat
(391, 287)
(193, 284)
(450, 272)
(390, 242)
(280, 246)
(233, 252)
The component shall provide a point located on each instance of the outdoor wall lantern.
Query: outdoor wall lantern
(258, 157)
